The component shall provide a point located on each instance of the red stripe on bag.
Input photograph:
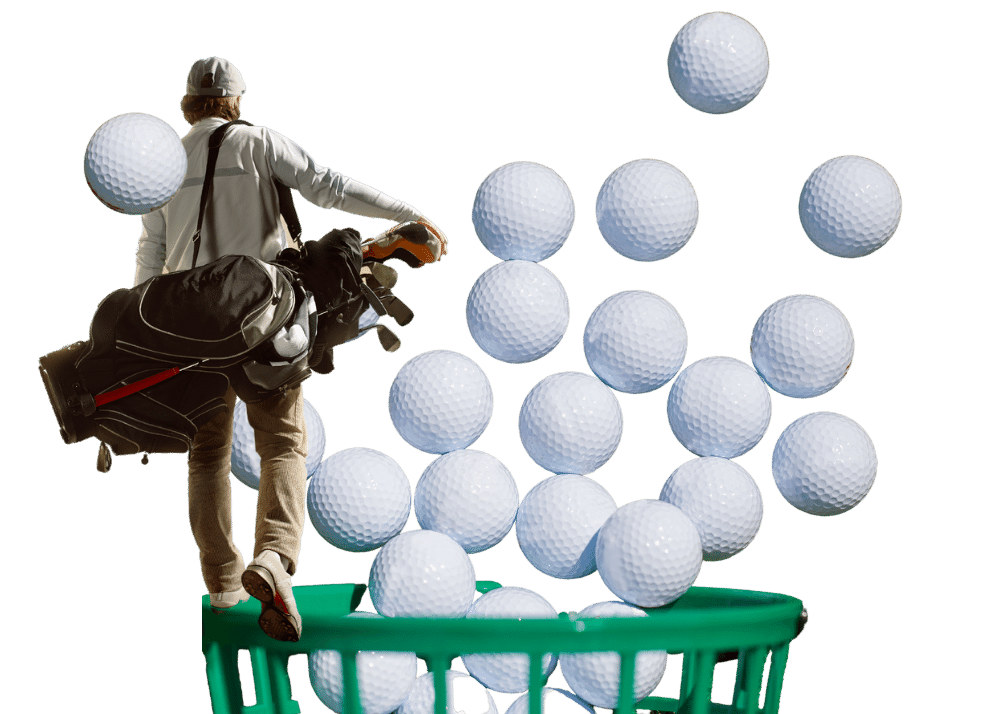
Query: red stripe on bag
(102, 399)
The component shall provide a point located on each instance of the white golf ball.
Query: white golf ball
(465, 695)
(523, 211)
(508, 672)
(596, 676)
(558, 521)
(719, 406)
(824, 463)
(517, 311)
(635, 341)
(802, 346)
(384, 678)
(648, 553)
(570, 423)
(721, 499)
(135, 163)
(718, 63)
(358, 499)
(422, 574)
(440, 401)
(554, 701)
(244, 459)
(850, 206)
(647, 210)
(469, 496)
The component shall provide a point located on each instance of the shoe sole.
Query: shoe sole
(274, 620)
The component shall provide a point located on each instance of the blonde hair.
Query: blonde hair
(196, 108)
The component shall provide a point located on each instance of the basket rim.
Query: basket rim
(703, 619)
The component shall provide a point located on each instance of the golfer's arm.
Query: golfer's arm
(151, 254)
(330, 189)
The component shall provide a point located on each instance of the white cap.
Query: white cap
(215, 77)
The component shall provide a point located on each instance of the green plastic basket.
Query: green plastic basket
(705, 625)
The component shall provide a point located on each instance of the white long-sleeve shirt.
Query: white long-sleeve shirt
(242, 216)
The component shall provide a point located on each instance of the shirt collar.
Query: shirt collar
(206, 124)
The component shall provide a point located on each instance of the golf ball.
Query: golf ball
(647, 210)
(596, 676)
(523, 211)
(850, 206)
(244, 459)
(557, 524)
(824, 463)
(718, 63)
(135, 163)
(358, 499)
(469, 496)
(440, 401)
(802, 346)
(648, 553)
(635, 341)
(465, 695)
(718, 406)
(384, 678)
(570, 423)
(554, 701)
(721, 499)
(422, 574)
(517, 311)
(508, 672)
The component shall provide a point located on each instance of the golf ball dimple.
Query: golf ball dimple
(244, 459)
(719, 406)
(635, 341)
(517, 311)
(422, 574)
(596, 676)
(135, 163)
(824, 463)
(718, 63)
(721, 499)
(850, 206)
(802, 346)
(508, 672)
(440, 401)
(649, 553)
(384, 678)
(647, 210)
(570, 423)
(523, 211)
(467, 495)
(558, 521)
(358, 499)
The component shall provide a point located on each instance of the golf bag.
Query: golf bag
(161, 355)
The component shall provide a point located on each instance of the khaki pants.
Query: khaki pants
(280, 439)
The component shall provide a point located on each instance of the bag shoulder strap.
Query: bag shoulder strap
(285, 204)
(214, 142)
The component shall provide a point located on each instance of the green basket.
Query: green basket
(705, 625)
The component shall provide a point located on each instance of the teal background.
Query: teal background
(423, 102)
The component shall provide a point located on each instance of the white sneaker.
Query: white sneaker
(222, 601)
(267, 580)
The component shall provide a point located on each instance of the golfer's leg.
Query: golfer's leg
(280, 436)
(210, 502)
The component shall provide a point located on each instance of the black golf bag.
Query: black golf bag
(161, 355)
